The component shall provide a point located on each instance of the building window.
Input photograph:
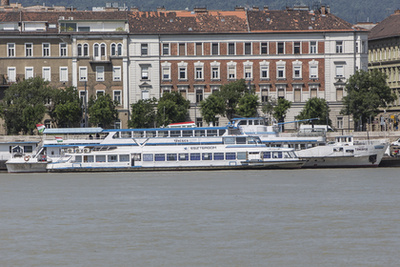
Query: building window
(166, 73)
(199, 96)
(46, 73)
(297, 72)
(248, 72)
(215, 73)
(199, 122)
(113, 49)
(83, 74)
(339, 122)
(264, 48)
(199, 73)
(264, 95)
(82, 96)
(313, 47)
(28, 72)
(231, 72)
(247, 48)
(11, 50)
(63, 74)
(356, 47)
(182, 73)
(199, 49)
(297, 95)
(85, 50)
(339, 71)
(117, 96)
(281, 72)
(117, 73)
(46, 49)
(313, 72)
(145, 72)
(144, 49)
(313, 92)
(100, 73)
(231, 48)
(165, 49)
(281, 48)
(296, 48)
(80, 52)
(63, 50)
(339, 94)
(264, 72)
(28, 49)
(99, 93)
(339, 46)
(12, 74)
(145, 94)
(214, 49)
(182, 49)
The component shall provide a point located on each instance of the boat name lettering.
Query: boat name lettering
(181, 140)
(202, 147)
(362, 149)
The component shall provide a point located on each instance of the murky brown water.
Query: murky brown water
(337, 217)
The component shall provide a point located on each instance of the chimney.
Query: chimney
(397, 11)
(5, 2)
(266, 8)
(161, 8)
(323, 10)
(200, 9)
(256, 8)
(239, 8)
(328, 9)
(134, 9)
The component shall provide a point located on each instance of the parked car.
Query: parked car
(396, 143)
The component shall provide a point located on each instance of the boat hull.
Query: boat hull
(26, 167)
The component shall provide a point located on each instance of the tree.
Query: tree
(366, 93)
(315, 108)
(171, 108)
(102, 111)
(247, 106)
(143, 114)
(232, 93)
(66, 107)
(281, 108)
(23, 105)
(211, 107)
(268, 108)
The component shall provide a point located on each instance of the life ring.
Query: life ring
(26, 158)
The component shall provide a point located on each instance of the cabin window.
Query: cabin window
(88, 158)
(101, 158)
(159, 157)
(277, 155)
(175, 133)
(266, 155)
(138, 134)
(187, 133)
(240, 140)
(207, 156)
(124, 158)
(241, 155)
(112, 158)
(212, 133)
(195, 156)
(28, 149)
(218, 156)
(183, 156)
(126, 134)
(221, 132)
(78, 158)
(171, 157)
(230, 155)
(151, 134)
(147, 157)
(229, 140)
(200, 132)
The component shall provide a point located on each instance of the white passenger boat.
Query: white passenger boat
(312, 146)
(159, 149)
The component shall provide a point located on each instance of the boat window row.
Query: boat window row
(169, 133)
(103, 158)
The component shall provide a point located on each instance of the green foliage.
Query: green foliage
(171, 108)
(143, 114)
(103, 111)
(315, 108)
(247, 106)
(211, 107)
(366, 93)
(281, 108)
(23, 105)
(232, 93)
(65, 109)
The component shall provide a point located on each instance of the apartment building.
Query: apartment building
(295, 54)
(384, 54)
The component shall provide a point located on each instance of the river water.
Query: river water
(329, 217)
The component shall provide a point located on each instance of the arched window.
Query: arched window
(103, 50)
(79, 50)
(113, 50)
(96, 51)
(85, 50)
(119, 49)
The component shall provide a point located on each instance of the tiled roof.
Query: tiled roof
(179, 22)
(295, 20)
(187, 22)
(389, 27)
